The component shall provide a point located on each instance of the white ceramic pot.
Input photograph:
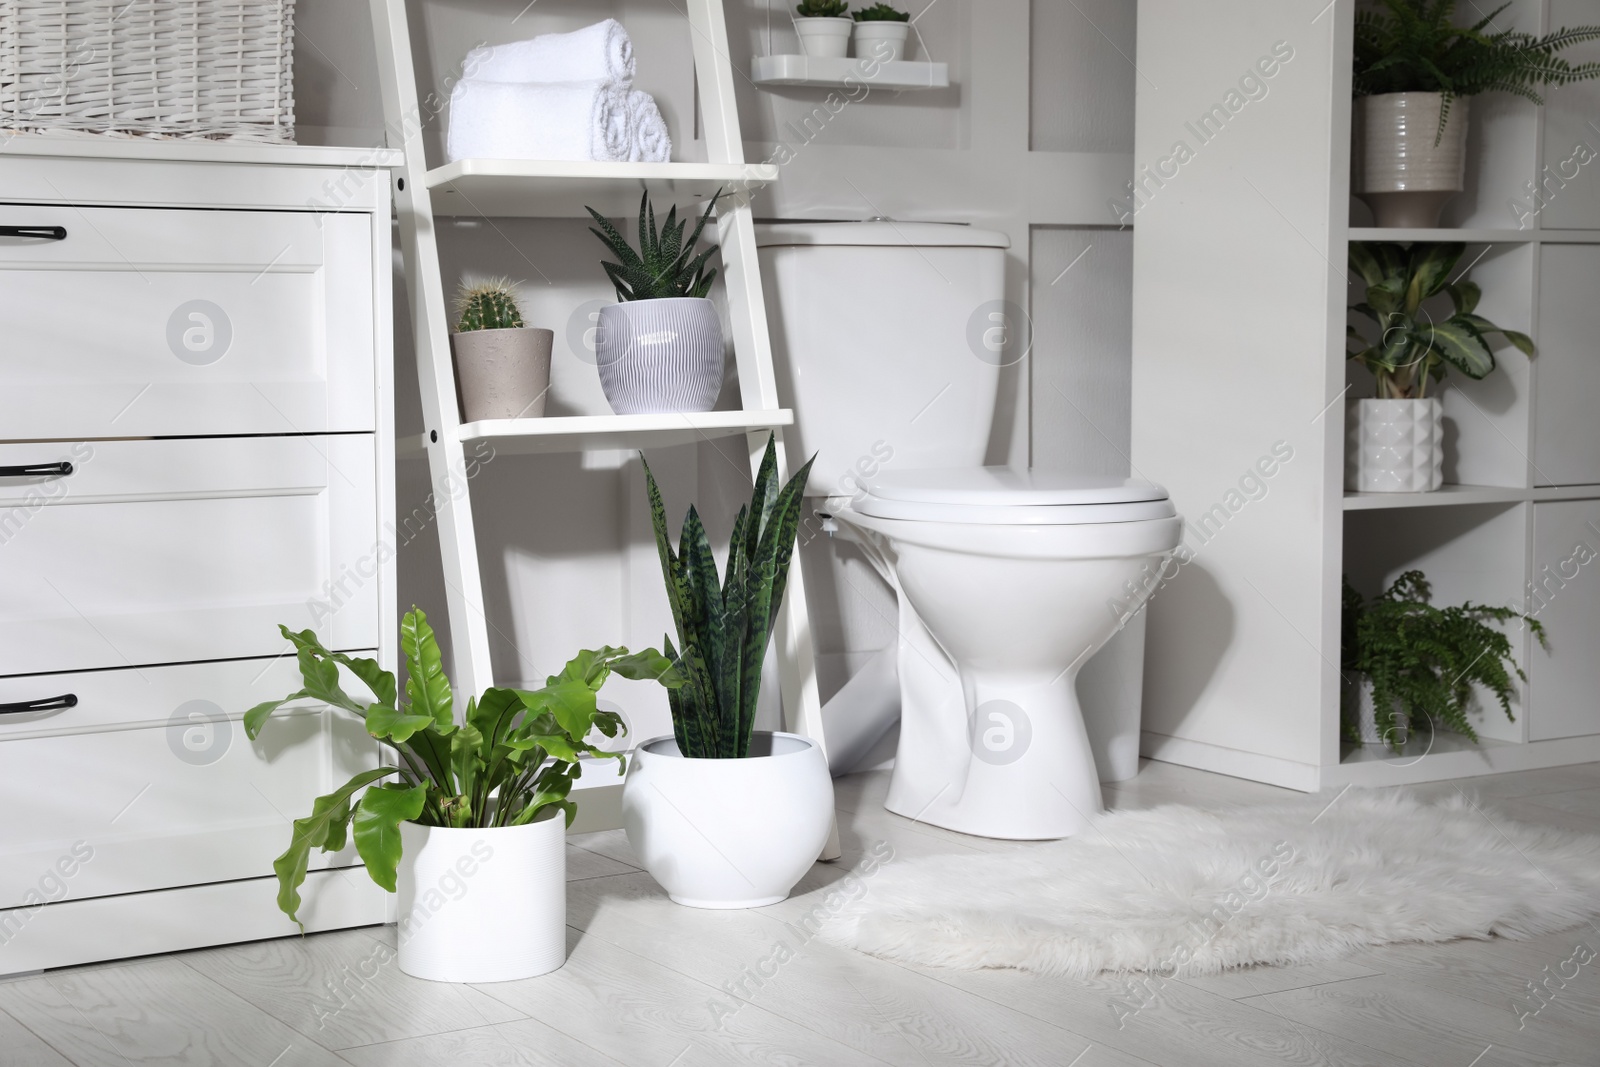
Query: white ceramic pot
(824, 38)
(1360, 716)
(729, 833)
(660, 355)
(483, 905)
(502, 374)
(1397, 168)
(883, 41)
(1394, 446)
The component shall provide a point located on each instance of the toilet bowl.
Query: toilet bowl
(1007, 582)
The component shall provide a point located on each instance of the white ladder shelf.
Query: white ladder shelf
(536, 188)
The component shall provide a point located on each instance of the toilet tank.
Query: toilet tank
(888, 340)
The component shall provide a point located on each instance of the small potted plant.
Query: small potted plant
(881, 31)
(471, 833)
(1405, 661)
(720, 814)
(1415, 70)
(1396, 440)
(502, 366)
(824, 28)
(659, 349)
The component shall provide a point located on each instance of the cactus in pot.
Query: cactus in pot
(490, 305)
(502, 366)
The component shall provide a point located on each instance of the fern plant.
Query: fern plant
(1412, 46)
(1423, 661)
(490, 305)
(882, 13)
(1412, 348)
(822, 9)
(723, 627)
(665, 265)
(515, 755)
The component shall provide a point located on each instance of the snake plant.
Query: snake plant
(515, 755)
(489, 306)
(723, 627)
(1413, 347)
(665, 265)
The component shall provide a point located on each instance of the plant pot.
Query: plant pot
(1359, 717)
(1395, 446)
(1397, 168)
(502, 374)
(483, 905)
(824, 38)
(660, 355)
(729, 833)
(883, 41)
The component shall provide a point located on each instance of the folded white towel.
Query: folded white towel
(602, 52)
(496, 120)
(651, 141)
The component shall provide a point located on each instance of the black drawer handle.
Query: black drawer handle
(33, 470)
(48, 233)
(66, 700)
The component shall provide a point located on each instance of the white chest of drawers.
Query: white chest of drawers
(196, 445)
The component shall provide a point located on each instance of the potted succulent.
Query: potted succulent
(1396, 440)
(1415, 70)
(502, 366)
(1405, 660)
(471, 833)
(721, 815)
(823, 27)
(659, 348)
(881, 31)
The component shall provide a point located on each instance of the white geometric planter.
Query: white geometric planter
(729, 833)
(1397, 168)
(483, 905)
(1395, 446)
(661, 355)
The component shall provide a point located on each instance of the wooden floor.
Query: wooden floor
(651, 984)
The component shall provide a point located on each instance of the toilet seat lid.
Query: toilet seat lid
(1009, 496)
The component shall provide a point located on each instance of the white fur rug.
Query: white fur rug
(1177, 890)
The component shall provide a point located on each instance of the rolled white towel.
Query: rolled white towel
(496, 120)
(602, 52)
(651, 141)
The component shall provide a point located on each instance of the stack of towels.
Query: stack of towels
(559, 96)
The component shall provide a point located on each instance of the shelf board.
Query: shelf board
(581, 433)
(1461, 495)
(1375, 233)
(814, 70)
(537, 188)
(195, 150)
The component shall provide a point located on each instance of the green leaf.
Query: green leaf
(427, 688)
(1431, 265)
(645, 666)
(1465, 296)
(572, 704)
(378, 816)
(393, 725)
(1462, 347)
(315, 831)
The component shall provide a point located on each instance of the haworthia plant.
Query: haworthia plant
(723, 627)
(665, 265)
(489, 306)
(514, 757)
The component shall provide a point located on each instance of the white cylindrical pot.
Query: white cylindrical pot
(1360, 716)
(729, 833)
(1398, 169)
(883, 41)
(483, 905)
(824, 38)
(660, 355)
(502, 374)
(1395, 446)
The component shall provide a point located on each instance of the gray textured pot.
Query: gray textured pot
(658, 356)
(502, 374)
(1397, 168)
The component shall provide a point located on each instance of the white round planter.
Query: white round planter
(1360, 718)
(502, 374)
(659, 356)
(483, 905)
(1395, 446)
(883, 41)
(824, 38)
(728, 833)
(1397, 168)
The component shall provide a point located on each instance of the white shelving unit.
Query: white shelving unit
(524, 188)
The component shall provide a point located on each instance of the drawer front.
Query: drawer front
(148, 322)
(149, 782)
(153, 552)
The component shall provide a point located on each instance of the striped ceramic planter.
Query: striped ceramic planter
(660, 355)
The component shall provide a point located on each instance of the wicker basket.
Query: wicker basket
(163, 68)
